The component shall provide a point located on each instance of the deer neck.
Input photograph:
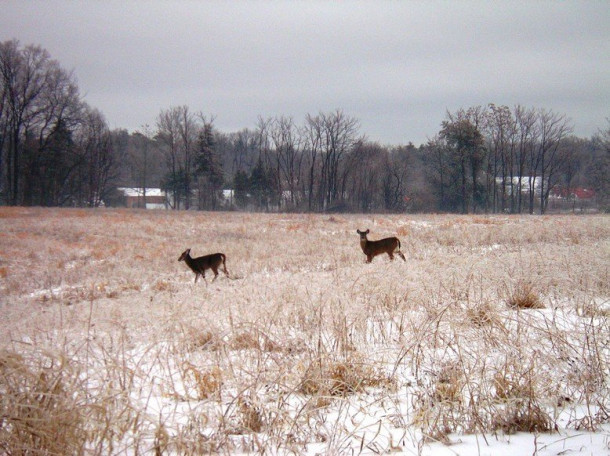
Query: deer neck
(189, 261)
(363, 244)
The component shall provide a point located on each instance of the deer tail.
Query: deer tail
(224, 264)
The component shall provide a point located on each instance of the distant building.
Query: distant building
(526, 181)
(575, 193)
(134, 198)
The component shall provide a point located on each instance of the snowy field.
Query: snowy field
(493, 338)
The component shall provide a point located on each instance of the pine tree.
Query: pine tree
(208, 168)
(241, 184)
(260, 185)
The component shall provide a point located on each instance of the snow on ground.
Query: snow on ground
(306, 349)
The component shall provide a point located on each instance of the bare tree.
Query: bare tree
(239, 150)
(25, 75)
(501, 143)
(177, 132)
(600, 169)
(369, 164)
(552, 128)
(327, 140)
(188, 136)
(525, 124)
(444, 172)
(399, 178)
(101, 162)
(168, 134)
(340, 134)
(574, 154)
(287, 145)
(313, 137)
(143, 157)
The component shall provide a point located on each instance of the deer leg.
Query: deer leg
(215, 270)
(196, 276)
(391, 255)
(369, 258)
(401, 255)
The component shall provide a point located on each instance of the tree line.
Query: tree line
(56, 150)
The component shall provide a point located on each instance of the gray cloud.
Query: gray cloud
(396, 66)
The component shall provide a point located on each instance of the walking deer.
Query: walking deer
(371, 249)
(200, 264)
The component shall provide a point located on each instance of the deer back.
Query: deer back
(211, 261)
(386, 245)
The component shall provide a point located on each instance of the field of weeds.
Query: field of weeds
(492, 337)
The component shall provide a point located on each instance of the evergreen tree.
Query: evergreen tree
(208, 168)
(174, 183)
(261, 185)
(241, 185)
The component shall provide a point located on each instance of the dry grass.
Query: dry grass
(493, 325)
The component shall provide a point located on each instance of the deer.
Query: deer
(200, 264)
(371, 249)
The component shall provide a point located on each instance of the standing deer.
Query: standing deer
(200, 264)
(371, 249)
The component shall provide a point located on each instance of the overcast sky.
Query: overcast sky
(396, 66)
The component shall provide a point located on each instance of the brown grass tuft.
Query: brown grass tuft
(251, 417)
(245, 340)
(200, 339)
(523, 416)
(449, 386)
(207, 382)
(482, 315)
(341, 378)
(523, 296)
(40, 413)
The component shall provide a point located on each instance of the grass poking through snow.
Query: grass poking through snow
(494, 326)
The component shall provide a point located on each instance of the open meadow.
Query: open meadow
(492, 338)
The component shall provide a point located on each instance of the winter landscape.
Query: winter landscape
(492, 338)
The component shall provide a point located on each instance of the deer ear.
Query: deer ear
(367, 231)
(358, 231)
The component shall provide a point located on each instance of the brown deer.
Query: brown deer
(371, 249)
(200, 264)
